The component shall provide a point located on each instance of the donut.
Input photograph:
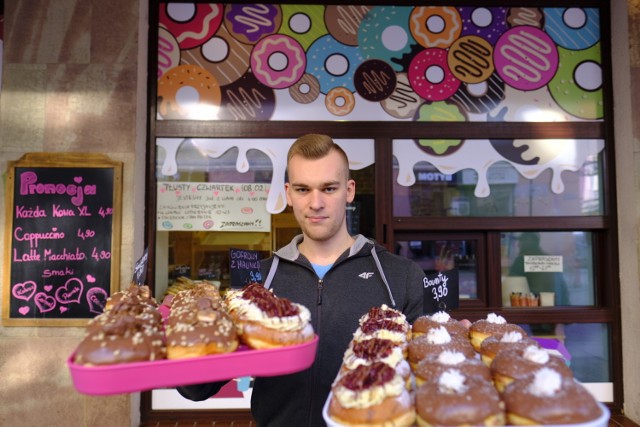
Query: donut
(494, 344)
(430, 77)
(382, 313)
(249, 23)
(531, 16)
(470, 59)
(384, 34)
(303, 23)
(439, 111)
(199, 326)
(134, 294)
(168, 51)
(305, 90)
(526, 58)
(191, 23)
(371, 395)
(493, 324)
(548, 398)
(375, 80)
(367, 352)
(517, 363)
(423, 324)
(577, 85)
(482, 97)
(454, 399)
(435, 342)
(387, 328)
(572, 28)
(403, 101)
(434, 365)
(435, 26)
(488, 23)
(188, 92)
(130, 331)
(278, 61)
(332, 63)
(264, 320)
(222, 55)
(340, 101)
(247, 99)
(343, 21)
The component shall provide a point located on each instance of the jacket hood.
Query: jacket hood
(290, 251)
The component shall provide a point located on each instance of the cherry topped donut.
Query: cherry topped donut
(371, 395)
(264, 320)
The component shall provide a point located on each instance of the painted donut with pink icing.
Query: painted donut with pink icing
(191, 23)
(278, 61)
(526, 58)
(430, 77)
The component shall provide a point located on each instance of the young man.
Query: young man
(337, 276)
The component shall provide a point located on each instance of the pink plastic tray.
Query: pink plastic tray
(142, 376)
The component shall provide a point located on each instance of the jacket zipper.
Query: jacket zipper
(314, 372)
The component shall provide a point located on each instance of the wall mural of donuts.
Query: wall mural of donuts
(263, 62)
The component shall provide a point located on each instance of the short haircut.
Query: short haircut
(316, 146)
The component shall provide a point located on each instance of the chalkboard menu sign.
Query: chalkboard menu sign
(62, 238)
(441, 291)
(244, 267)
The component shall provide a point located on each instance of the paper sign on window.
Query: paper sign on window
(543, 264)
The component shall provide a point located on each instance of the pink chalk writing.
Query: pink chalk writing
(29, 185)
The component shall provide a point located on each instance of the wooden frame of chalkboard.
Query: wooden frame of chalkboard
(62, 238)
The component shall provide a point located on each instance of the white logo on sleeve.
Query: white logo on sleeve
(366, 274)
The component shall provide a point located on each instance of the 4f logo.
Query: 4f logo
(365, 275)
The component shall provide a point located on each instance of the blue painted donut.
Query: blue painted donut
(333, 63)
(572, 28)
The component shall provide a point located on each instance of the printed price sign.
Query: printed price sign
(441, 291)
(244, 266)
(63, 221)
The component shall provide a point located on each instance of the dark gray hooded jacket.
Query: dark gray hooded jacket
(365, 276)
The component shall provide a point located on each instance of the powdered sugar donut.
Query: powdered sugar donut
(489, 23)
(191, 23)
(572, 28)
(430, 76)
(526, 58)
(340, 101)
(188, 92)
(435, 26)
(470, 59)
(278, 61)
(249, 23)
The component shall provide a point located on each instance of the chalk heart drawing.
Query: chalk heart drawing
(44, 302)
(24, 310)
(70, 292)
(48, 288)
(24, 291)
(97, 299)
(77, 179)
(63, 309)
(91, 279)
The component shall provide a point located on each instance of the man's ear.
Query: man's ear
(351, 190)
(286, 193)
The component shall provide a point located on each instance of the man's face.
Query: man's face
(318, 191)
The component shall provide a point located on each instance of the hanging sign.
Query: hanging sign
(441, 291)
(63, 214)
